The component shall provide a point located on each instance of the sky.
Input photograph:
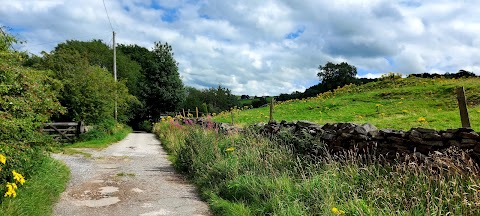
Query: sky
(265, 47)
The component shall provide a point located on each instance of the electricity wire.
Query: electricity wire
(107, 15)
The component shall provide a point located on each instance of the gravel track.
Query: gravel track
(131, 177)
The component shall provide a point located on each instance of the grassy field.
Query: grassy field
(399, 104)
(249, 174)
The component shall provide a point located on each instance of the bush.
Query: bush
(100, 130)
(146, 126)
(28, 98)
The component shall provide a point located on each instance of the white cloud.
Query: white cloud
(267, 47)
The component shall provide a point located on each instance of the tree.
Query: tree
(194, 98)
(97, 53)
(334, 75)
(88, 91)
(212, 100)
(162, 89)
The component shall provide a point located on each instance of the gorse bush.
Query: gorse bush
(250, 174)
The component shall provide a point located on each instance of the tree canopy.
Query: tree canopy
(89, 90)
(162, 89)
(211, 100)
(336, 75)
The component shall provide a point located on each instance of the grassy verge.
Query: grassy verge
(118, 134)
(40, 192)
(399, 104)
(249, 174)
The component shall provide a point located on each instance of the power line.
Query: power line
(102, 35)
(107, 15)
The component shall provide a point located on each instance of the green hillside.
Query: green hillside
(393, 103)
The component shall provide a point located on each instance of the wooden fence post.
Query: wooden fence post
(271, 109)
(183, 113)
(462, 105)
(196, 110)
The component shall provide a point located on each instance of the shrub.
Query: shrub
(100, 130)
(146, 126)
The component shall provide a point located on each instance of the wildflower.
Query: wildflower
(359, 116)
(230, 149)
(382, 114)
(405, 111)
(18, 177)
(421, 120)
(3, 159)
(337, 211)
(11, 190)
(378, 105)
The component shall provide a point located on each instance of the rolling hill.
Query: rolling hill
(390, 103)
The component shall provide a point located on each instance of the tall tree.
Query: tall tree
(88, 90)
(97, 53)
(334, 75)
(162, 88)
(213, 100)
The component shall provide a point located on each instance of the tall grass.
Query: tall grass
(250, 174)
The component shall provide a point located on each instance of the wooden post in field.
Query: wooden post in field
(183, 113)
(462, 105)
(271, 109)
(196, 110)
(233, 122)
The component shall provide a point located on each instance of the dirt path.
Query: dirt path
(132, 177)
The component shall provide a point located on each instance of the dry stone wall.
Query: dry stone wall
(389, 142)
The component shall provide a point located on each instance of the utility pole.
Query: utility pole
(115, 72)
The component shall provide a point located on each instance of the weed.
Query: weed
(123, 174)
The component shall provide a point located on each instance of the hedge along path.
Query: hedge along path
(131, 177)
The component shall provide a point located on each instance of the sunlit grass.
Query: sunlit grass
(402, 103)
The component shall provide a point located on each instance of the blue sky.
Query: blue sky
(266, 47)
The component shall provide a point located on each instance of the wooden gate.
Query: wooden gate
(64, 130)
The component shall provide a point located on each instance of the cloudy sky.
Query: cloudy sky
(266, 47)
